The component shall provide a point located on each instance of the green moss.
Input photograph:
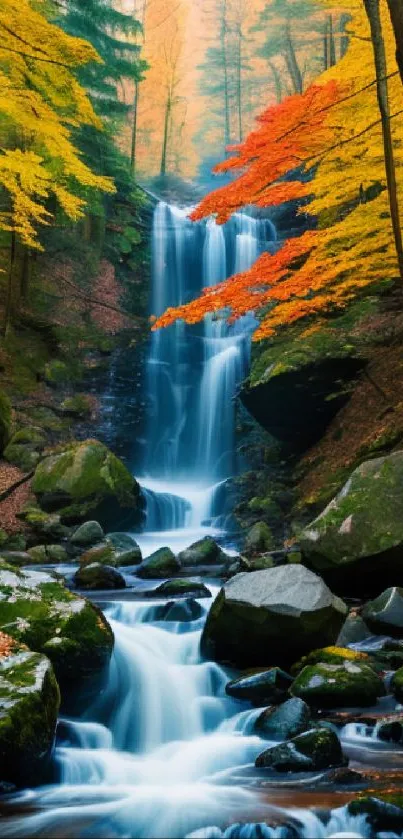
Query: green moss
(338, 685)
(77, 406)
(329, 655)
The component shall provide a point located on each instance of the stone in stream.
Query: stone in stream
(87, 534)
(127, 550)
(47, 526)
(162, 563)
(98, 576)
(261, 688)
(204, 552)
(181, 587)
(384, 615)
(48, 554)
(178, 610)
(390, 728)
(354, 629)
(39, 611)
(259, 539)
(397, 685)
(313, 751)
(86, 479)
(29, 704)
(380, 815)
(278, 614)
(103, 553)
(350, 684)
(287, 720)
(358, 539)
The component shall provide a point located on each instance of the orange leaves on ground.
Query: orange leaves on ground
(288, 134)
(107, 290)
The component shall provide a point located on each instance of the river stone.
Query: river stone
(354, 629)
(178, 610)
(98, 576)
(358, 539)
(89, 533)
(259, 539)
(160, 564)
(313, 751)
(384, 615)
(397, 685)
(350, 684)
(103, 554)
(280, 613)
(18, 558)
(127, 550)
(261, 688)
(51, 554)
(204, 552)
(390, 729)
(47, 525)
(29, 703)
(83, 479)
(287, 720)
(39, 611)
(182, 586)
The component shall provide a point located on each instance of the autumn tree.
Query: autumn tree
(327, 147)
(41, 105)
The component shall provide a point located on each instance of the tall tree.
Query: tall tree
(396, 16)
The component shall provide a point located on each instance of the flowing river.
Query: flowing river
(163, 752)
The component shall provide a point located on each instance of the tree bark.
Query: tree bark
(163, 167)
(396, 15)
(277, 81)
(239, 85)
(344, 39)
(223, 32)
(134, 128)
(292, 63)
(378, 45)
(332, 48)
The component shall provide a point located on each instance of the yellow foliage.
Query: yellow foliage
(41, 101)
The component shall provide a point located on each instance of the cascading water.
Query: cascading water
(194, 373)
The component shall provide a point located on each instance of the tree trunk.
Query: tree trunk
(9, 297)
(277, 81)
(332, 48)
(134, 128)
(396, 16)
(223, 32)
(344, 39)
(239, 85)
(374, 18)
(163, 167)
(292, 63)
(325, 46)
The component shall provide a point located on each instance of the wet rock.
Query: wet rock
(384, 615)
(390, 728)
(103, 554)
(349, 684)
(179, 610)
(358, 539)
(181, 587)
(160, 564)
(397, 685)
(52, 554)
(47, 525)
(122, 542)
(29, 704)
(39, 611)
(85, 479)
(89, 533)
(354, 629)
(78, 406)
(25, 448)
(17, 558)
(258, 539)
(381, 815)
(289, 719)
(287, 611)
(127, 558)
(312, 751)
(330, 655)
(264, 687)
(98, 576)
(204, 552)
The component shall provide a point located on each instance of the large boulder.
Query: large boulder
(358, 539)
(289, 719)
(384, 615)
(281, 613)
(39, 611)
(313, 751)
(29, 703)
(87, 534)
(262, 688)
(204, 552)
(181, 587)
(98, 577)
(350, 684)
(85, 479)
(160, 564)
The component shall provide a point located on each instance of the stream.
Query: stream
(163, 752)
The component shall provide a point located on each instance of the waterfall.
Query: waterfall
(194, 372)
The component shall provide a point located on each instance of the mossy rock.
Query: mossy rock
(25, 447)
(51, 554)
(29, 704)
(313, 751)
(87, 534)
(289, 719)
(83, 480)
(17, 559)
(40, 612)
(78, 406)
(350, 684)
(46, 525)
(262, 687)
(12, 541)
(204, 552)
(103, 554)
(358, 539)
(5, 420)
(397, 685)
(172, 588)
(259, 539)
(382, 815)
(329, 655)
(99, 576)
(160, 564)
(57, 372)
(384, 615)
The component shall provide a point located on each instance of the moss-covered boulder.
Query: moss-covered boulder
(313, 751)
(204, 552)
(384, 615)
(160, 564)
(25, 448)
(87, 534)
(103, 554)
(38, 611)
(12, 541)
(357, 541)
(283, 612)
(397, 684)
(329, 655)
(289, 719)
(181, 587)
(78, 406)
(5, 420)
(127, 551)
(85, 479)
(46, 525)
(349, 684)
(259, 539)
(56, 372)
(29, 704)
(98, 576)
(48, 554)
(261, 688)
(17, 558)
